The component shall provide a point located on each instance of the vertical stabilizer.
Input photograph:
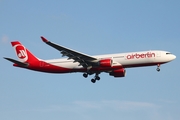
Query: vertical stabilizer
(22, 53)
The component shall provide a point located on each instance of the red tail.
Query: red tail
(22, 53)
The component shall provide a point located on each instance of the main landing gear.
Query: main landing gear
(96, 77)
(158, 67)
(85, 75)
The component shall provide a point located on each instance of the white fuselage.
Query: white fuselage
(130, 59)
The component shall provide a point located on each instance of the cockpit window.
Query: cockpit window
(168, 53)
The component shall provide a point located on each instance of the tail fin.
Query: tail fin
(22, 53)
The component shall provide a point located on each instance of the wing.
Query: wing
(83, 59)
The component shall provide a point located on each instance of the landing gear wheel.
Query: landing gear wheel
(93, 80)
(97, 78)
(158, 69)
(85, 75)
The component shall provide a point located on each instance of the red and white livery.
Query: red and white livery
(114, 64)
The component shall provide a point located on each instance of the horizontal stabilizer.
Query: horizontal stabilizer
(17, 62)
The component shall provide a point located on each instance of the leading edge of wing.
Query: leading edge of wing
(71, 54)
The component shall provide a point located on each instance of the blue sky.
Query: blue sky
(92, 27)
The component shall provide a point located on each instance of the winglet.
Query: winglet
(44, 39)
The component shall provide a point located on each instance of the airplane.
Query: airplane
(113, 64)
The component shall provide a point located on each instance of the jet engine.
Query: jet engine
(105, 63)
(118, 73)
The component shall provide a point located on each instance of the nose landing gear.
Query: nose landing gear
(158, 67)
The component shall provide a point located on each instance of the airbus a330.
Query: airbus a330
(113, 64)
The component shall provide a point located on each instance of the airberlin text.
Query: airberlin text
(141, 55)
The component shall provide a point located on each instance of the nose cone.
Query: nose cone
(170, 57)
(173, 57)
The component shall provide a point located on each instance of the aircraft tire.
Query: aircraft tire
(98, 78)
(93, 80)
(158, 69)
(85, 75)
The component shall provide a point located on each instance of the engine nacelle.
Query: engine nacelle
(105, 63)
(118, 73)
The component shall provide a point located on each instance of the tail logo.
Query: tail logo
(21, 53)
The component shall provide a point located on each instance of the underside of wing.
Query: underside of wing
(83, 59)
